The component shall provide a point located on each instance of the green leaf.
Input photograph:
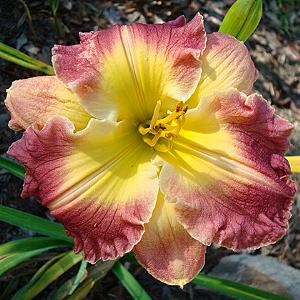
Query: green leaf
(95, 273)
(29, 244)
(54, 6)
(12, 166)
(129, 283)
(45, 277)
(242, 19)
(21, 59)
(83, 291)
(13, 260)
(233, 289)
(100, 269)
(79, 276)
(30, 222)
(46, 265)
(28, 15)
(9, 289)
(41, 270)
(62, 292)
(16, 252)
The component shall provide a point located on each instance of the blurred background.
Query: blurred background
(34, 26)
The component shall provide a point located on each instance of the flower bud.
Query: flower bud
(242, 19)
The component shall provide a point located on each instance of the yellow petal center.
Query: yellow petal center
(160, 132)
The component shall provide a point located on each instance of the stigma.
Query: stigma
(159, 133)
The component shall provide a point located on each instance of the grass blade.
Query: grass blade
(79, 276)
(33, 223)
(16, 252)
(12, 166)
(62, 292)
(29, 244)
(46, 265)
(21, 59)
(54, 6)
(47, 276)
(129, 283)
(95, 273)
(13, 260)
(41, 270)
(28, 15)
(233, 289)
(83, 291)
(9, 289)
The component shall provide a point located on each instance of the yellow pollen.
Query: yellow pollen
(166, 128)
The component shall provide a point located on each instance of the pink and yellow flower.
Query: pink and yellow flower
(148, 139)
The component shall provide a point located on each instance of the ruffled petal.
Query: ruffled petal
(228, 174)
(35, 100)
(121, 72)
(99, 182)
(166, 250)
(225, 63)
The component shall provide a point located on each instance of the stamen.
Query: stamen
(166, 128)
(152, 142)
(155, 114)
(143, 130)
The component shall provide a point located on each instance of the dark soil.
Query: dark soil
(274, 48)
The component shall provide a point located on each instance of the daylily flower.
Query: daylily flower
(148, 140)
